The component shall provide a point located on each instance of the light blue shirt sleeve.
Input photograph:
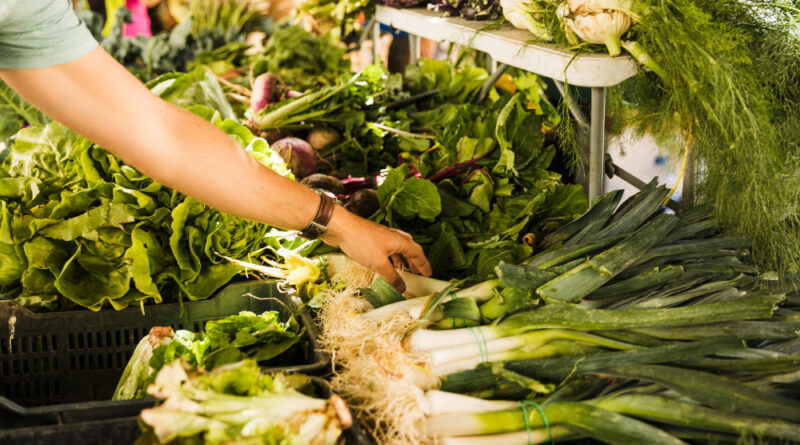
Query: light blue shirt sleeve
(41, 33)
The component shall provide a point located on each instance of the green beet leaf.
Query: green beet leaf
(408, 196)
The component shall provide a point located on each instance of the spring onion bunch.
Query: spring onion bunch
(622, 307)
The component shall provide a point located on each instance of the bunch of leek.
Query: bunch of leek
(624, 291)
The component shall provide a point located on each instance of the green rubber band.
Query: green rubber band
(525, 418)
(485, 345)
(483, 348)
(453, 297)
(522, 404)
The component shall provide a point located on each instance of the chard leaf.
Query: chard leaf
(408, 196)
(519, 136)
(196, 87)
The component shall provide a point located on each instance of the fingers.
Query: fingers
(388, 272)
(414, 255)
(398, 262)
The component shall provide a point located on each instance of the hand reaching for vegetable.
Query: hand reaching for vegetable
(185, 152)
(372, 245)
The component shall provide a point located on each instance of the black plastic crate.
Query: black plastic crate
(79, 356)
(107, 423)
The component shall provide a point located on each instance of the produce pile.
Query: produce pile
(716, 79)
(630, 326)
(407, 152)
(238, 404)
(245, 336)
(81, 228)
(544, 320)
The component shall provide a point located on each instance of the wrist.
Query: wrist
(340, 221)
(322, 217)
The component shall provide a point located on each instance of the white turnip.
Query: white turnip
(265, 91)
(320, 138)
(298, 155)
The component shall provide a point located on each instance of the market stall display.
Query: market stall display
(644, 319)
(549, 316)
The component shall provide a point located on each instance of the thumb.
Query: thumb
(389, 273)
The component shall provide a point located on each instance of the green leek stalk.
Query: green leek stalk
(598, 270)
(509, 300)
(569, 316)
(749, 366)
(528, 340)
(381, 293)
(420, 286)
(532, 436)
(695, 247)
(675, 412)
(648, 279)
(558, 369)
(590, 222)
(416, 307)
(634, 212)
(580, 417)
(556, 348)
(712, 390)
(745, 330)
(480, 292)
(563, 254)
(389, 311)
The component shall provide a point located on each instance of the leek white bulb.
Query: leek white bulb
(597, 21)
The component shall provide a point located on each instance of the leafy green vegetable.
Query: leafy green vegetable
(456, 83)
(214, 32)
(81, 228)
(236, 403)
(408, 196)
(15, 111)
(197, 87)
(231, 339)
(300, 59)
(519, 135)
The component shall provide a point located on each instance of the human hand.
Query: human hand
(375, 246)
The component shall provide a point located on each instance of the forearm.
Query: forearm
(173, 146)
(187, 153)
(96, 97)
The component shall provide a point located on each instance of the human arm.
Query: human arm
(96, 97)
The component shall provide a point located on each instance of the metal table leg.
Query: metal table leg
(413, 47)
(597, 147)
(376, 40)
(576, 112)
(487, 86)
(491, 64)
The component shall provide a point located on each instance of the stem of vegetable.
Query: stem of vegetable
(642, 57)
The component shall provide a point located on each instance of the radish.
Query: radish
(325, 182)
(298, 155)
(363, 203)
(264, 91)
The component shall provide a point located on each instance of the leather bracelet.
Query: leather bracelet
(319, 224)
